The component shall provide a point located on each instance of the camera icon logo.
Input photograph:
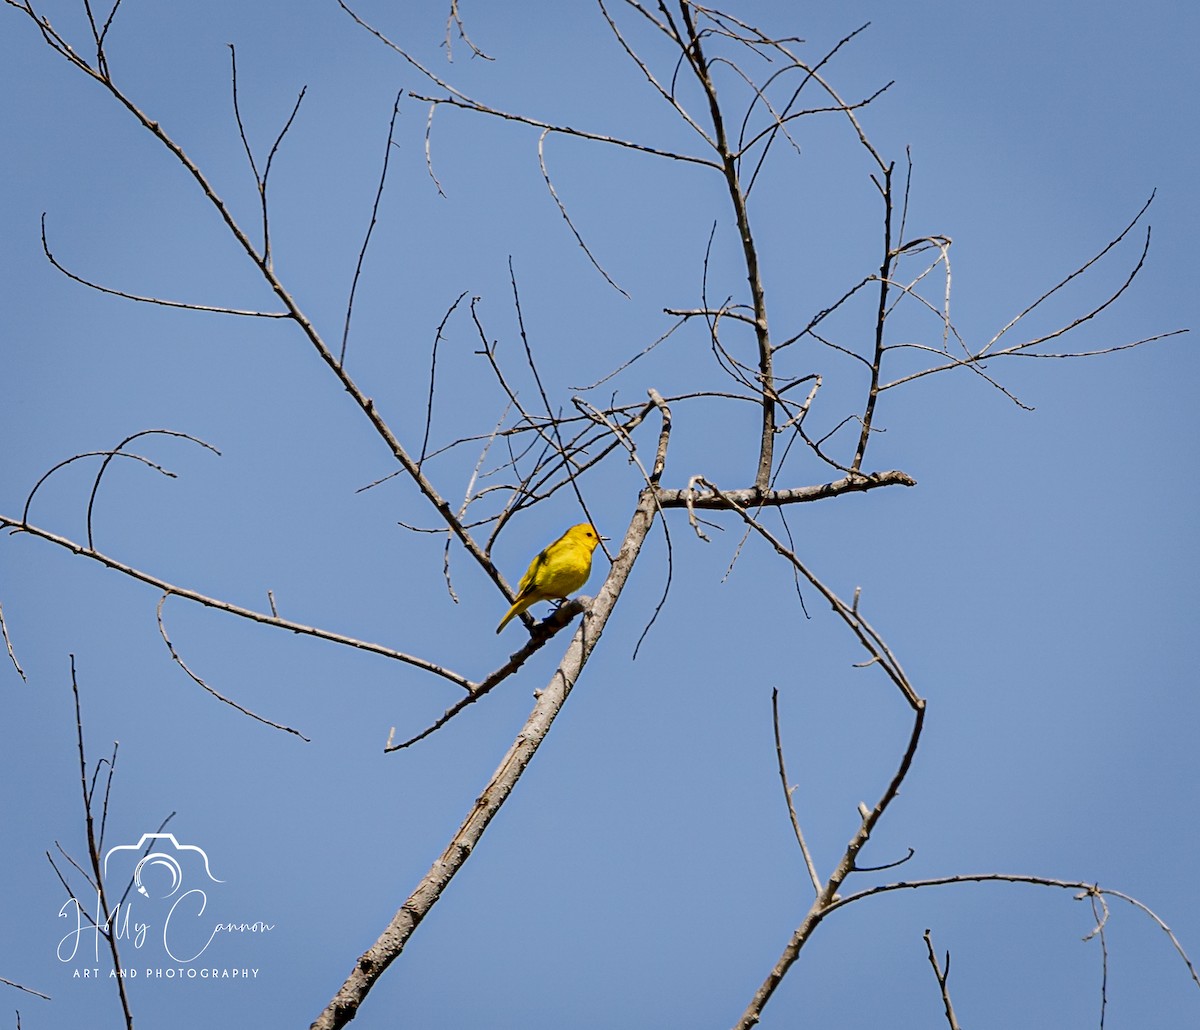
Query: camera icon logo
(148, 874)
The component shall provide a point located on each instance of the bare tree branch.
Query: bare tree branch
(150, 300)
(362, 253)
(437, 338)
(943, 979)
(855, 482)
(371, 965)
(232, 609)
(562, 210)
(787, 794)
(694, 53)
(120, 449)
(27, 990)
(162, 629)
(260, 180)
(461, 100)
(95, 846)
(751, 87)
(541, 634)
(99, 74)
(455, 21)
(1100, 911)
(12, 656)
(1086, 890)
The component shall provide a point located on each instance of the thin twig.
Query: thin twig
(1085, 890)
(828, 898)
(694, 53)
(362, 253)
(461, 100)
(667, 95)
(27, 990)
(12, 655)
(78, 868)
(455, 21)
(437, 337)
(651, 479)
(1100, 911)
(542, 633)
(232, 609)
(160, 301)
(162, 629)
(562, 210)
(880, 320)
(554, 424)
(260, 181)
(120, 449)
(93, 454)
(1029, 309)
(787, 794)
(943, 979)
(469, 492)
(100, 74)
(104, 915)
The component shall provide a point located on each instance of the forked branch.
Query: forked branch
(371, 965)
(942, 975)
(231, 609)
(99, 73)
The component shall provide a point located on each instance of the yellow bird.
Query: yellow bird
(561, 569)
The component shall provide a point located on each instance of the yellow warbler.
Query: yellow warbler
(561, 569)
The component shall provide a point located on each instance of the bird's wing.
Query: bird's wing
(530, 578)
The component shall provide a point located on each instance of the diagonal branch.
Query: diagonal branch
(362, 253)
(943, 979)
(371, 965)
(160, 301)
(667, 95)
(787, 794)
(12, 655)
(27, 990)
(162, 630)
(459, 99)
(562, 210)
(541, 635)
(827, 899)
(100, 75)
(231, 609)
(881, 656)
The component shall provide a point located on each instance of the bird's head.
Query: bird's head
(585, 533)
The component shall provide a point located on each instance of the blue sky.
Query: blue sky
(1037, 584)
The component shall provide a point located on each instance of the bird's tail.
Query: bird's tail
(514, 611)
